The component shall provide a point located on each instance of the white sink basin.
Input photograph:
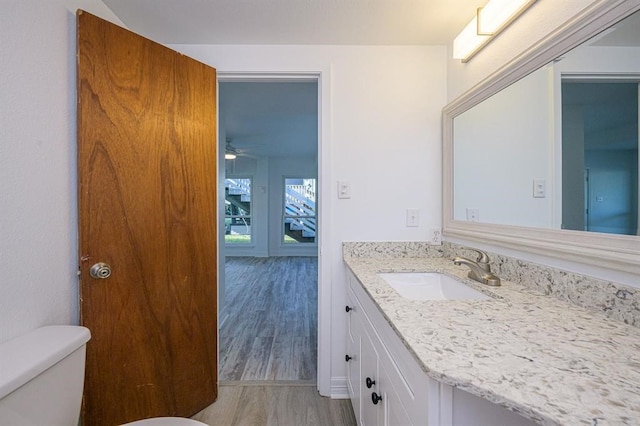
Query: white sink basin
(430, 286)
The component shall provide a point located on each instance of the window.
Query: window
(237, 211)
(299, 211)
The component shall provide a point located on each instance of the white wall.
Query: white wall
(380, 130)
(38, 237)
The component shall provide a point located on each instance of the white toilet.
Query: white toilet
(41, 379)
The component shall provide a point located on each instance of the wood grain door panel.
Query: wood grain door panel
(147, 207)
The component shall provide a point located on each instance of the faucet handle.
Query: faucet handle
(482, 256)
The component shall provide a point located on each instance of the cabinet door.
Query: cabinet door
(395, 413)
(372, 413)
(354, 333)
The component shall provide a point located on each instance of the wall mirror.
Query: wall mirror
(543, 155)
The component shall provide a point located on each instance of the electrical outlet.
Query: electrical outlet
(413, 217)
(435, 236)
(473, 215)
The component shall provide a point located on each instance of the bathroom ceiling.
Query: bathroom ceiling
(359, 22)
(280, 119)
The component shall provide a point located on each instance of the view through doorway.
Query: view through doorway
(269, 131)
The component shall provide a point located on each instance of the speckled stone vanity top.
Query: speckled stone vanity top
(546, 359)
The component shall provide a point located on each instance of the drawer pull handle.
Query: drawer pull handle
(348, 308)
(375, 398)
(347, 358)
(370, 382)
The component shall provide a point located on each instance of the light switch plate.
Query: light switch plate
(344, 189)
(539, 188)
(413, 217)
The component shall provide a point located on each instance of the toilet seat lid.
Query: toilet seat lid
(166, 421)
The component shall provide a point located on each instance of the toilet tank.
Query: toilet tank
(42, 376)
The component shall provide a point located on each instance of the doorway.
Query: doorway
(600, 154)
(268, 130)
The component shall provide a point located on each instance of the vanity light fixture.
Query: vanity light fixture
(495, 16)
(468, 42)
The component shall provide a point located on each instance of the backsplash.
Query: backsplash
(391, 249)
(616, 301)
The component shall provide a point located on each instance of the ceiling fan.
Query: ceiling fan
(230, 152)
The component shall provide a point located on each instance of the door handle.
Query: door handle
(100, 271)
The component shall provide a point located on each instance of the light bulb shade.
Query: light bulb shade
(229, 156)
(468, 42)
(488, 22)
(497, 14)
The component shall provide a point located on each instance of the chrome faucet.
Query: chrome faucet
(480, 270)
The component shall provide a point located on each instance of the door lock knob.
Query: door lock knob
(100, 271)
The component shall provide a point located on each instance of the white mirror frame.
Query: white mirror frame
(618, 252)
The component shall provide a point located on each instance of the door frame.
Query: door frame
(322, 78)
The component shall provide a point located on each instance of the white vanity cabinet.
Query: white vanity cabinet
(388, 387)
(385, 389)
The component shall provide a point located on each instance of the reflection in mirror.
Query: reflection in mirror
(558, 149)
(600, 155)
(500, 146)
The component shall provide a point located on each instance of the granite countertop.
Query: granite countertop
(548, 360)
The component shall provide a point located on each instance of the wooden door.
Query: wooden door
(147, 208)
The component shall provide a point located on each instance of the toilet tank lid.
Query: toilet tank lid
(26, 356)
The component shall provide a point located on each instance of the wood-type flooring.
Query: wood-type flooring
(268, 356)
(271, 329)
(276, 404)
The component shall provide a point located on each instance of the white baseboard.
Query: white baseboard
(339, 389)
